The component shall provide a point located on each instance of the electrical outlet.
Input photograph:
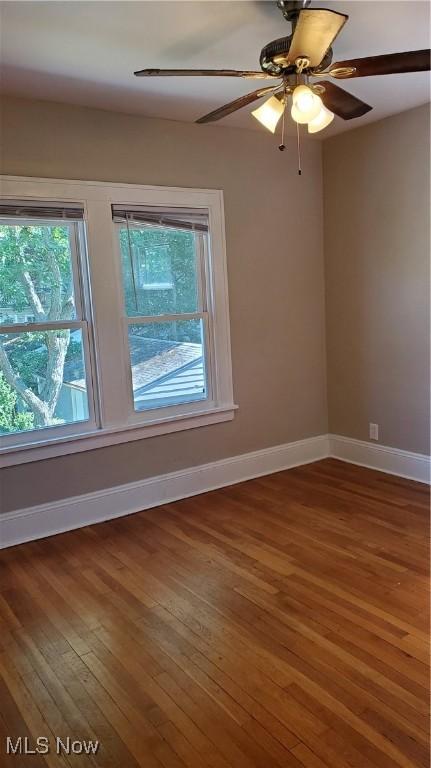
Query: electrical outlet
(374, 431)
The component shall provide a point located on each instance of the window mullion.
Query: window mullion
(110, 338)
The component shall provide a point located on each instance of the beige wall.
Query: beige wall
(376, 212)
(275, 266)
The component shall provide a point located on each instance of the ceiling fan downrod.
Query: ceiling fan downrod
(291, 9)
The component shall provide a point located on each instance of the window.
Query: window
(45, 370)
(167, 327)
(113, 315)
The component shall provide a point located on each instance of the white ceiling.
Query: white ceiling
(86, 52)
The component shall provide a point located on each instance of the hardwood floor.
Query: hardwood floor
(277, 623)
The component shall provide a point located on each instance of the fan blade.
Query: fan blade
(388, 64)
(202, 73)
(226, 109)
(315, 31)
(341, 102)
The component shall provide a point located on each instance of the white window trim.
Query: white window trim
(117, 422)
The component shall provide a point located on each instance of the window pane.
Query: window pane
(36, 278)
(42, 380)
(168, 364)
(159, 270)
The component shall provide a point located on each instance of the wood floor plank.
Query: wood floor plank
(278, 623)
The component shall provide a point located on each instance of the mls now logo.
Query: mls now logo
(42, 746)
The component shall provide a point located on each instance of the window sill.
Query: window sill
(89, 441)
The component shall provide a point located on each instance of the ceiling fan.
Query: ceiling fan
(296, 61)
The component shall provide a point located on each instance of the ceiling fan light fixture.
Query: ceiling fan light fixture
(269, 113)
(323, 119)
(306, 105)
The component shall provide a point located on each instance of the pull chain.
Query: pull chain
(282, 146)
(299, 149)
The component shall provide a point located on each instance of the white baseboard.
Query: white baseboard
(56, 517)
(414, 466)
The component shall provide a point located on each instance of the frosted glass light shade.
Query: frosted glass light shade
(306, 104)
(323, 119)
(269, 113)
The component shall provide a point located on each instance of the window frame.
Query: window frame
(82, 322)
(203, 313)
(115, 418)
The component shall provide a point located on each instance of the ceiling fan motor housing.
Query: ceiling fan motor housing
(274, 58)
